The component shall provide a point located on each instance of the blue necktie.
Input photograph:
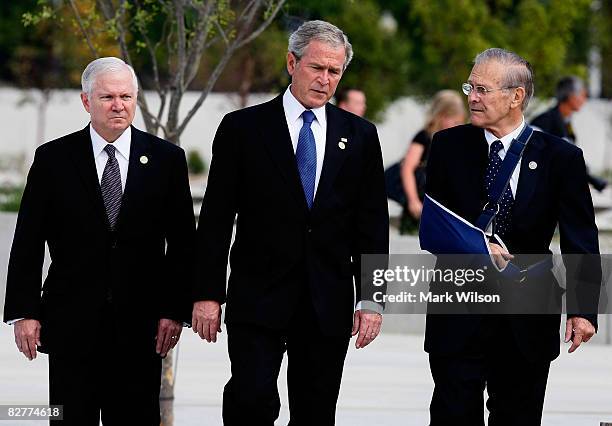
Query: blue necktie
(503, 219)
(306, 156)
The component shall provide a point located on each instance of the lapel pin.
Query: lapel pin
(533, 165)
(342, 143)
(144, 159)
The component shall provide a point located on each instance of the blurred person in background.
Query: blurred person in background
(447, 109)
(352, 100)
(571, 95)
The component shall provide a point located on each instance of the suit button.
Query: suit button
(309, 230)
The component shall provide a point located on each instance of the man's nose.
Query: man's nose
(324, 78)
(117, 104)
(473, 97)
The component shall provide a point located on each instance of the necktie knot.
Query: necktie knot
(496, 147)
(110, 150)
(308, 117)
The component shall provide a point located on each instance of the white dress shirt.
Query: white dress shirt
(122, 153)
(506, 142)
(293, 114)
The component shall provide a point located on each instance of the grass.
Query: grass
(10, 198)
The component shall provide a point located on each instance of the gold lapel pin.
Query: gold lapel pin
(533, 165)
(144, 159)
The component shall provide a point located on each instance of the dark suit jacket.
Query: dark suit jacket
(281, 248)
(130, 272)
(555, 192)
(551, 121)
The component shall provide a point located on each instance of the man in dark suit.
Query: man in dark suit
(571, 96)
(305, 180)
(114, 207)
(509, 354)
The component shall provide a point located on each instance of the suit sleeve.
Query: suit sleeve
(372, 225)
(217, 216)
(24, 279)
(180, 244)
(579, 241)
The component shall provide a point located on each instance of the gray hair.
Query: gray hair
(518, 72)
(567, 87)
(320, 31)
(103, 66)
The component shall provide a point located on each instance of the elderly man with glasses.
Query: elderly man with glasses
(510, 355)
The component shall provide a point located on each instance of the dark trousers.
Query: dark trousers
(119, 382)
(315, 364)
(515, 385)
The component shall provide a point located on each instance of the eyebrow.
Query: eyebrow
(320, 65)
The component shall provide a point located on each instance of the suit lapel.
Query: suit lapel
(278, 144)
(528, 177)
(137, 168)
(337, 128)
(81, 151)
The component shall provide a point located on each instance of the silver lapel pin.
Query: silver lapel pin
(342, 143)
(533, 165)
(144, 159)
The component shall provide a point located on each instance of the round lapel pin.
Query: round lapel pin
(341, 145)
(144, 159)
(533, 165)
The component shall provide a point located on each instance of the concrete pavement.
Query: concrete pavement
(386, 384)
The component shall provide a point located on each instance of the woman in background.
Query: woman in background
(447, 109)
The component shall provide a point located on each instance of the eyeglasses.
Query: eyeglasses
(467, 88)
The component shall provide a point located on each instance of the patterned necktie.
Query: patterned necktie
(111, 186)
(306, 156)
(503, 219)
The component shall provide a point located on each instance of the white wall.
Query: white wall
(65, 114)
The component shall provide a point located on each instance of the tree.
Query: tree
(447, 34)
(172, 37)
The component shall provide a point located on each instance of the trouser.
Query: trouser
(515, 385)
(118, 382)
(315, 364)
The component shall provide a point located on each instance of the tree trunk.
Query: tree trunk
(166, 395)
(247, 81)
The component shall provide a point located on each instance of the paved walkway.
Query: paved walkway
(386, 384)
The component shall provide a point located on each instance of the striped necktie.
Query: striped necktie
(111, 186)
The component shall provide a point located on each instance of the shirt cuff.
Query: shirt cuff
(13, 321)
(370, 306)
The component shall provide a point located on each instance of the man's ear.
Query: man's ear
(519, 95)
(291, 63)
(85, 101)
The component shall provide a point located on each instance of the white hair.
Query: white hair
(518, 72)
(103, 66)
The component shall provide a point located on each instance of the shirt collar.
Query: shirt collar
(507, 139)
(122, 144)
(294, 109)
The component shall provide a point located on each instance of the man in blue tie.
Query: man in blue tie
(304, 182)
(510, 355)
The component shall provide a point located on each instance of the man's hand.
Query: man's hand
(206, 319)
(27, 337)
(168, 334)
(500, 255)
(415, 208)
(367, 323)
(578, 330)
